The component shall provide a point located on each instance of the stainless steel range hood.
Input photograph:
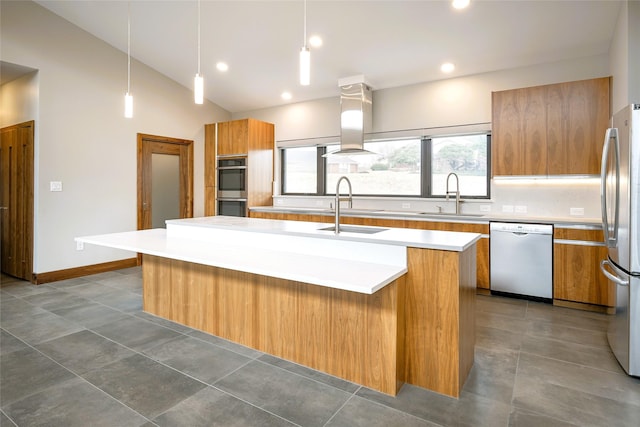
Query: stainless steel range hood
(355, 116)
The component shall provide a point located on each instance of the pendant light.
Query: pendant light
(198, 81)
(305, 55)
(128, 98)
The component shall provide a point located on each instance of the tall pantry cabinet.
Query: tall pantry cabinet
(250, 138)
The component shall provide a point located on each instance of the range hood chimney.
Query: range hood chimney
(355, 115)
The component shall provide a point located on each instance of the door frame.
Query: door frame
(24, 201)
(148, 145)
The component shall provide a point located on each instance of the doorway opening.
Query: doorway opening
(16, 200)
(165, 180)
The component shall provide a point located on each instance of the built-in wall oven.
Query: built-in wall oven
(232, 186)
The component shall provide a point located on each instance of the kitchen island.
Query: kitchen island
(376, 306)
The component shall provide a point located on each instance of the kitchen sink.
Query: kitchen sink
(348, 229)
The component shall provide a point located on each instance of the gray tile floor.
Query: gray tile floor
(82, 353)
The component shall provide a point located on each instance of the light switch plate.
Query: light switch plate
(55, 186)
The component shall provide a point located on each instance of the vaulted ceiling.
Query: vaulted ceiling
(392, 43)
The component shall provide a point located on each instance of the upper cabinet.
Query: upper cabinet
(243, 136)
(550, 130)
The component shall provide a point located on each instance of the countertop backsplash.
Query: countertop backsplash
(577, 198)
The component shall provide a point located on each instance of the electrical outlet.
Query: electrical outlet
(55, 186)
(279, 202)
(521, 209)
(485, 208)
(507, 208)
(79, 245)
(406, 206)
(576, 211)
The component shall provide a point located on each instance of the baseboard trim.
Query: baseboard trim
(87, 270)
(585, 306)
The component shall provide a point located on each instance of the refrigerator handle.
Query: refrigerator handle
(611, 133)
(610, 276)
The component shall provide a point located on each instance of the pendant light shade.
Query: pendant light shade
(305, 66)
(128, 98)
(198, 81)
(128, 105)
(305, 55)
(198, 89)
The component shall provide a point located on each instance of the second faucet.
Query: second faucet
(341, 199)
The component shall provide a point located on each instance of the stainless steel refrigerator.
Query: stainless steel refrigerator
(620, 192)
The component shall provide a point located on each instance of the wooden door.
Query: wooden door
(16, 200)
(150, 146)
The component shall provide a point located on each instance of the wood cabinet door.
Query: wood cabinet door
(577, 276)
(519, 139)
(578, 116)
(233, 137)
(576, 268)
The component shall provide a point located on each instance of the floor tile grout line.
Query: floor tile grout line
(76, 375)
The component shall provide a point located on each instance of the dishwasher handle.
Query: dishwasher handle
(610, 276)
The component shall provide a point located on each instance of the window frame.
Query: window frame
(426, 175)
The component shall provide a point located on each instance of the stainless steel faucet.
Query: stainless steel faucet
(342, 199)
(456, 192)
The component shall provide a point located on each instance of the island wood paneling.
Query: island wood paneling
(350, 335)
(439, 319)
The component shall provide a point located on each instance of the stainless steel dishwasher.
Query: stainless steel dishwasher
(521, 259)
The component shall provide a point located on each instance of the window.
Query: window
(467, 157)
(414, 167)
(300, 170)
(394, 169)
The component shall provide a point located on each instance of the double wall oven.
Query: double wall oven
(232, 185)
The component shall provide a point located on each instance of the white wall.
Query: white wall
(19, 100)
(446, 103)
(452, 102)
(82, 138)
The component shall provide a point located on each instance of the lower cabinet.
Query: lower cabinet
(576, 268)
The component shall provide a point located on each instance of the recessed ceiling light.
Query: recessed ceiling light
(222, 66)
(447, 67)
(286, 96)
(460, 4)
(315, 41)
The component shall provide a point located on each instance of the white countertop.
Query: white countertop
(426, 239)
(289, 250)
(559, 222)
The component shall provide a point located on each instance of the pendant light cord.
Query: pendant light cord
(304, 44)
(128, 47)
(198, 37)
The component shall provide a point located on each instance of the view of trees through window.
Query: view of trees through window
(466, 156)
(395, 168)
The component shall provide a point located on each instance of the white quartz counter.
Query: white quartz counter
(290, 250)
